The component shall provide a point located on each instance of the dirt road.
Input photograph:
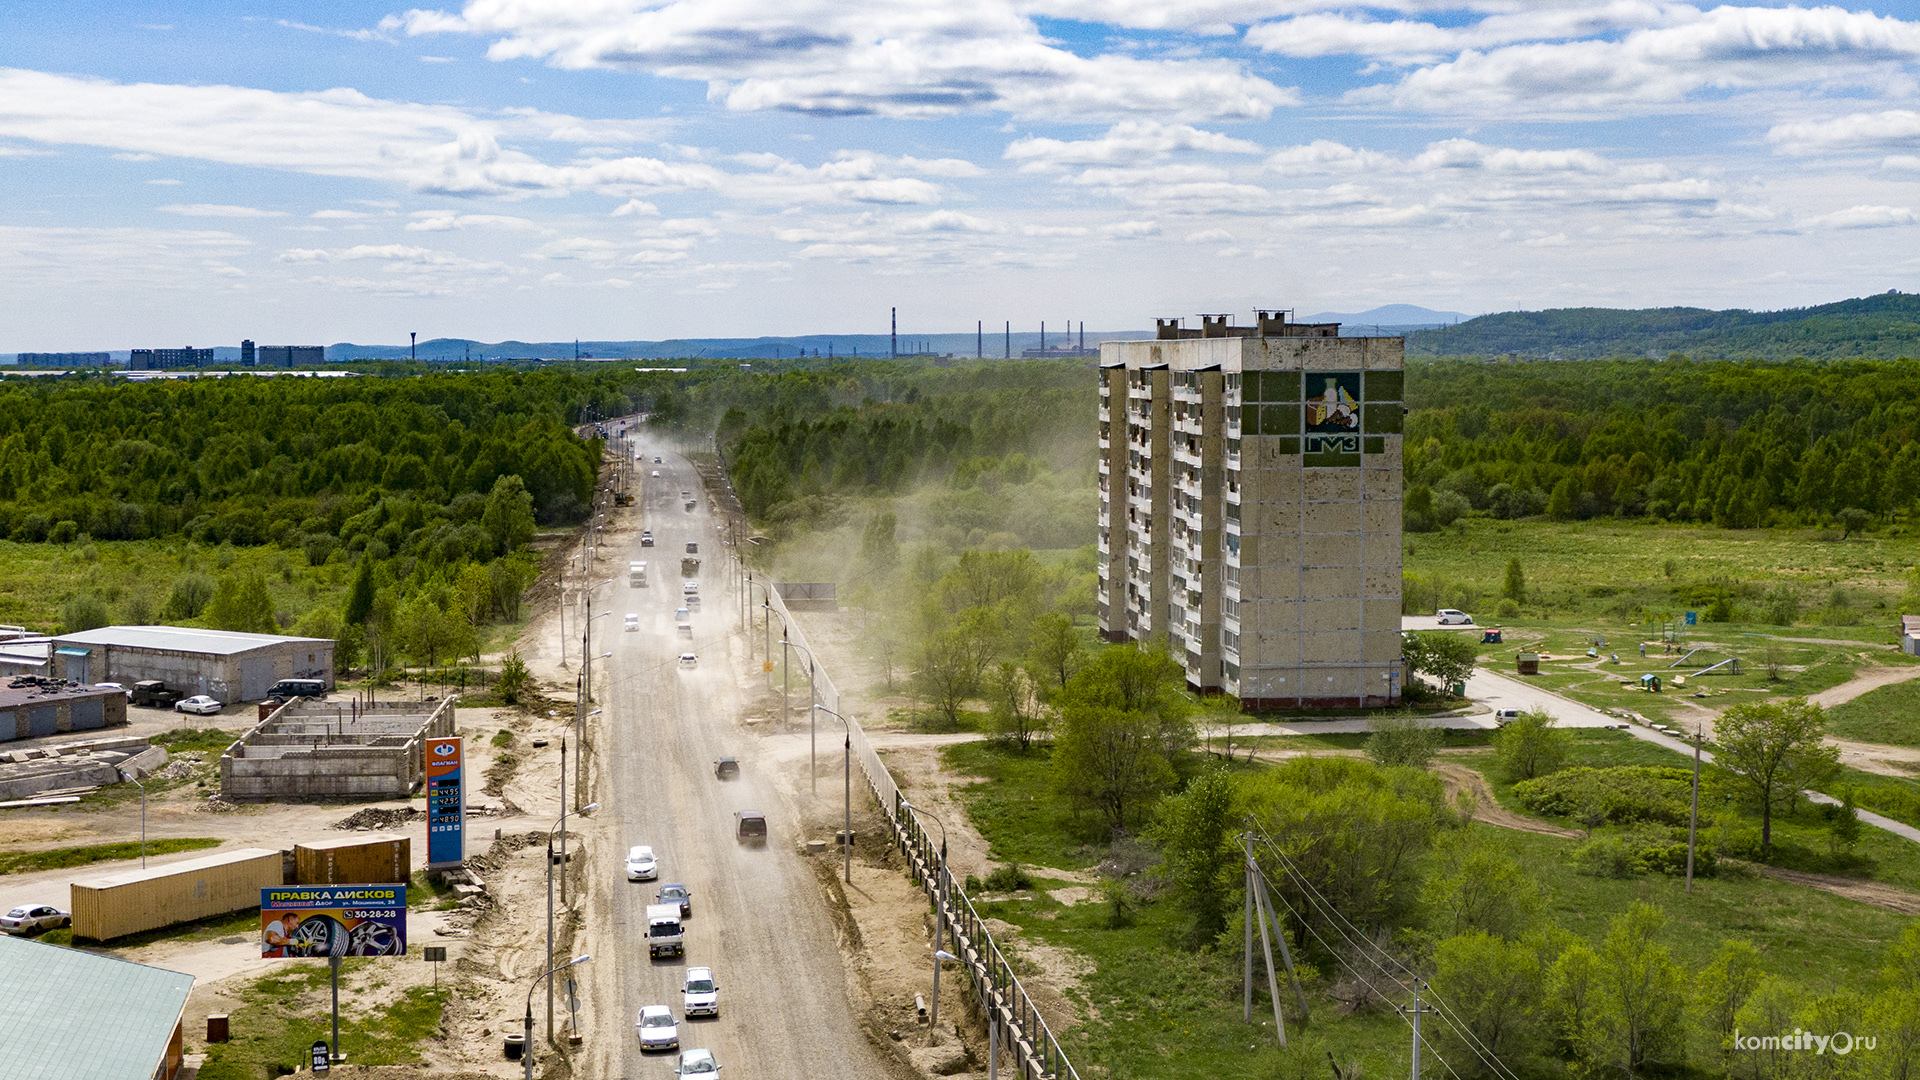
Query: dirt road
(758, 919)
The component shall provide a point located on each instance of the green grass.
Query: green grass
(283, 1013)
(24, 862)
(1349, 740)
(426, 894)
(189, 740)
(502, 738)
(1889, 715)
(1015, 807)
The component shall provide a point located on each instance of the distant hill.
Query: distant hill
(1391, 317)
(1886, 326)
(991, 343)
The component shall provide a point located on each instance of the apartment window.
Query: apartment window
(1233, 608)
(1233, 512)
(1231, 640)
(1233, 382)
(1232, 576)
(1232, 670)
(1231, 542)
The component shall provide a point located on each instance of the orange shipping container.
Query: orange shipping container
(120, 904)
(354, 860)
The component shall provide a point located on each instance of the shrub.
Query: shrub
(1008, 878)
(1641, 850)
(515, 679)
(1507, 608)
(1400, 740)
(1619, 795)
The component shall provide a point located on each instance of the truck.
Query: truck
(154, 694)
(665, 937)
(637, 575)
(689, 567)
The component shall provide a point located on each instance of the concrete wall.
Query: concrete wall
(230, 678)
(318, 750)
(63, 715)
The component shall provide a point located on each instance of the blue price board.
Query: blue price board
(446, 803)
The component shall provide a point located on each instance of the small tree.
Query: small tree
(242, 604)
(1447, 656)
(1775, 750)
(1722, 990)
(1634, 1018)
(1852, 520)
(1402, 740)
(1493, 988)
(1014, 712)
(1123, 720)
(1515, 588)
(1843, 835)
(953, 660)
(1476, 887)
(1531, 745)
(1056, 653)
(515, 679)
(508, 516)
(83, 612)
(1195, 830)
(360, 594)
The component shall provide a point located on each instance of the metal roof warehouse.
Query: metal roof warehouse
(72, 1015)
(224, 664)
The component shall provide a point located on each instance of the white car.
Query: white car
(657, 1029)
(633, 622)
(641, 865)
(656, 472)
(199, 704)
(33, 918)
(689, 660)
(702, 996)
(697, 1063)
(1450, 617)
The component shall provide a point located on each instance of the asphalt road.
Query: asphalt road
(759, 919)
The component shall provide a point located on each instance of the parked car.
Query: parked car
(727, 768)
(633, 622)
(641, 865)
(656, 472)
(33, 918)
(199, 705)
(293, 688)
(676, 893)
(646, 537)
(1450, 617)
(657, 1029)
(702, 996)
(697, 1063)
(689, 660)
(1503, 717)
(109, 686)
(153, 693)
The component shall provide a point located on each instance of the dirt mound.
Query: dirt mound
(379, 817)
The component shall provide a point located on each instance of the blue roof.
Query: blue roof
(66, 1014)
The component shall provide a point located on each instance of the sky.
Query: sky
(195, 173)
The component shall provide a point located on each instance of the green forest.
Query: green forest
(1883, 327)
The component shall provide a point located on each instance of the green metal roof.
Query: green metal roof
(72, 1015)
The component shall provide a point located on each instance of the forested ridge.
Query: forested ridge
(1740, 445)
(1886, 326)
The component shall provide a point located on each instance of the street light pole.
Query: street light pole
(527, 1054)
(813, 735)
(939, 916)
(847, 836)
(556, 825)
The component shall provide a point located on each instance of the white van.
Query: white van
(683, 621)
(665, 937)
(637, 575)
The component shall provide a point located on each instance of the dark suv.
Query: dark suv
(154, 694)
(293, 688)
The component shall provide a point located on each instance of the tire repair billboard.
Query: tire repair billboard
(446, 803)
(333, 920)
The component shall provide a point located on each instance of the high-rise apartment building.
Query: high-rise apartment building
(161, 359)
(1250, 489)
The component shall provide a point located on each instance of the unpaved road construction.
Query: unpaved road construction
(759, 917)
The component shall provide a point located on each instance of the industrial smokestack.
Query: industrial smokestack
(893, 334)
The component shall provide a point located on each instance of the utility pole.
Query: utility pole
(1417, 1010)
(1009, 339)
(1246, 993)
(979, 339)
(1693, 810)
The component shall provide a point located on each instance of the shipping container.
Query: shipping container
(354, 860)
(116, 905)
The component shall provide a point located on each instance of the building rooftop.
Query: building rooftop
(18, 690)
(179, 639)
(73, 1015)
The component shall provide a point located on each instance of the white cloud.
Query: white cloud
(164, 182)
(436, 59)
(135, 157)
(449, 220)
(1892, 129)
(356, 35)
(218, 210)
(339, 215)
(1864, 217)
(634, 207)
(1126, 143)
(899, 58)
(163, 259)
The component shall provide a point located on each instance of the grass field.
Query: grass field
(1156, 1007)
(284, 1013)
(1889, 715)
(23, 862)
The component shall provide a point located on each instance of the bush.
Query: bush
(1642, 850)
(515, 679)
(84, 612)
(1620, 795)
(1009, 878)
(1508, 608)
(1400, 740)
(190, 596)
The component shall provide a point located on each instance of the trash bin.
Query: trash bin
(516, 1045)
(217, 1027)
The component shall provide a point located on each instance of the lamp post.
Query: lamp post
(813, 735)
(527, 1056)
(939, 915)
(847, 836)
(128, 776)
(556, 825)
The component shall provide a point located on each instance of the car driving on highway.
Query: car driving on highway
(675, 893)
(657, 1030)
(697, 1063)
(641, 865)
(702, 996)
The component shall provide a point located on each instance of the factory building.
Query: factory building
(222, 664)
(1250, 490)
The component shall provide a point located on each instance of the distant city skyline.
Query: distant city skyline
(198, 173)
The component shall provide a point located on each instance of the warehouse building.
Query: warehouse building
(223, 664)
(32, 706)
(68, 1013)
(1250, 487)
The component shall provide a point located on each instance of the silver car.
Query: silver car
(702, 996)
(657, 1029)
(697, 1063)
(641, 865)
(33, 918)
(199, 704)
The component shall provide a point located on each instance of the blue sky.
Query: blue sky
(549, 169)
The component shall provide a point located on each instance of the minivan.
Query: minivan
(292, 688)
(750, 827)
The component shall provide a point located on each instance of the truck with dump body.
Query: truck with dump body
(665, 936)
(637, 575)
(689, 567)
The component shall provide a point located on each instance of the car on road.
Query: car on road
(641, 865)
(693, 547)
(727, 768)
(646, 537)
(1503, 717)
(697, 1063)
(656, 472)
(750, 827)
(657, 1029)
(199, 705)
(1450, 617)
(689, 660)
(633, 622)
(656, 459)
(702, 996)
(675, 893)
(33, 918)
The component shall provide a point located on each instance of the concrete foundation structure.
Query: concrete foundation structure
(223, 664)
(316, 750)
(1250, 497)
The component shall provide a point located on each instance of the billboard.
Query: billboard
(333, 920)
(446, 802)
